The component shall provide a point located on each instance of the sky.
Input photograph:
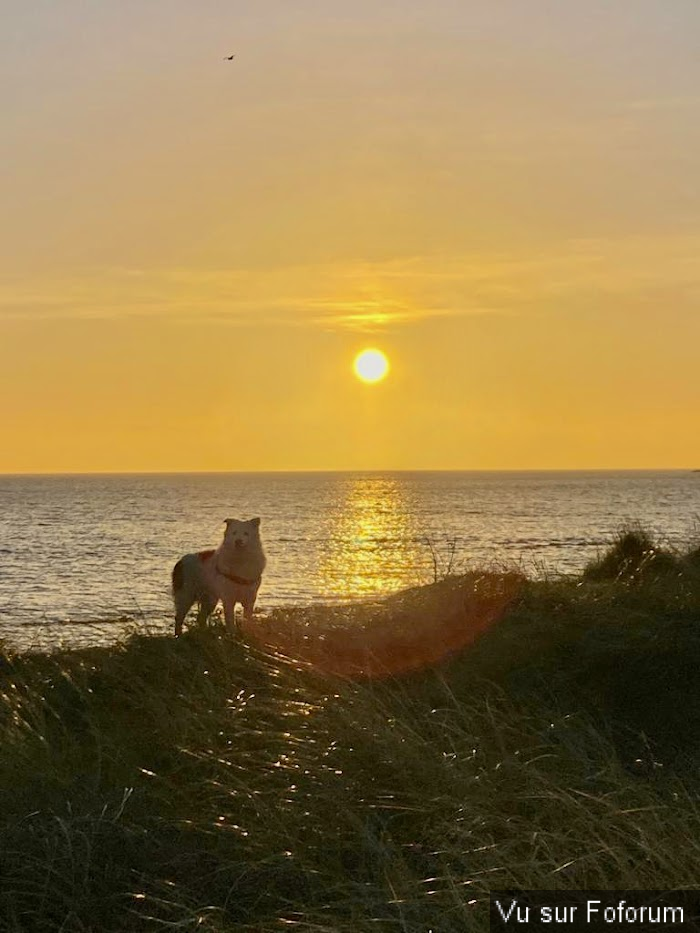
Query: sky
(501, 196)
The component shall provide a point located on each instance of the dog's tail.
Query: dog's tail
(178, 576)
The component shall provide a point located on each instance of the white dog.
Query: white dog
(232, 574)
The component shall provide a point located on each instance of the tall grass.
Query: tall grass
(634, 555)
(204, 784)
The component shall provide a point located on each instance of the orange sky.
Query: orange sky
(501, 196)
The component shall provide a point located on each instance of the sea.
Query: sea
(86, 559)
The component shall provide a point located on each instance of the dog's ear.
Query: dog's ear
(227, 521)
(255, 522)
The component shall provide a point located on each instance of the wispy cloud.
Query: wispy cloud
(371, 296)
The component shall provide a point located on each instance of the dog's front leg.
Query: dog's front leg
(248, 605)
(230, 616)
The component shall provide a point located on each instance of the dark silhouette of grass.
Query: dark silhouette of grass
(693, 558)
(633, 556)
(205, 784)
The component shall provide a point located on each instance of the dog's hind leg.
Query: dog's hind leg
(183, 597)
(183, 604)
(206, 606)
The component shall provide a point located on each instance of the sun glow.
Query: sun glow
(371, 365)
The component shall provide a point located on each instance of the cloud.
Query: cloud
(373, 296)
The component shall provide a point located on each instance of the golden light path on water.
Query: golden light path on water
(370, 547)
(371, 538)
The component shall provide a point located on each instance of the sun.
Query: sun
(371, 365)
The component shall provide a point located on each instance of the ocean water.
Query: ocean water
(82, 558)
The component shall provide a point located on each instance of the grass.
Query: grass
(634, 556)
(207, 784)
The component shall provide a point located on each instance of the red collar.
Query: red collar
(240, 580)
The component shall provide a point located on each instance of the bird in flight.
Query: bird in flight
(230, 58)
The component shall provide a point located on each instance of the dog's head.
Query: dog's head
(240, 534)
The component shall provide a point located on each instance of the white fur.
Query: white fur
(206, 577)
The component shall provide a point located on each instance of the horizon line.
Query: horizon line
(352, 470)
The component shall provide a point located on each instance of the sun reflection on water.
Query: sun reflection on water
(371, 541)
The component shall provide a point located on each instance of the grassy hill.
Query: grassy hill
(551, 741)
